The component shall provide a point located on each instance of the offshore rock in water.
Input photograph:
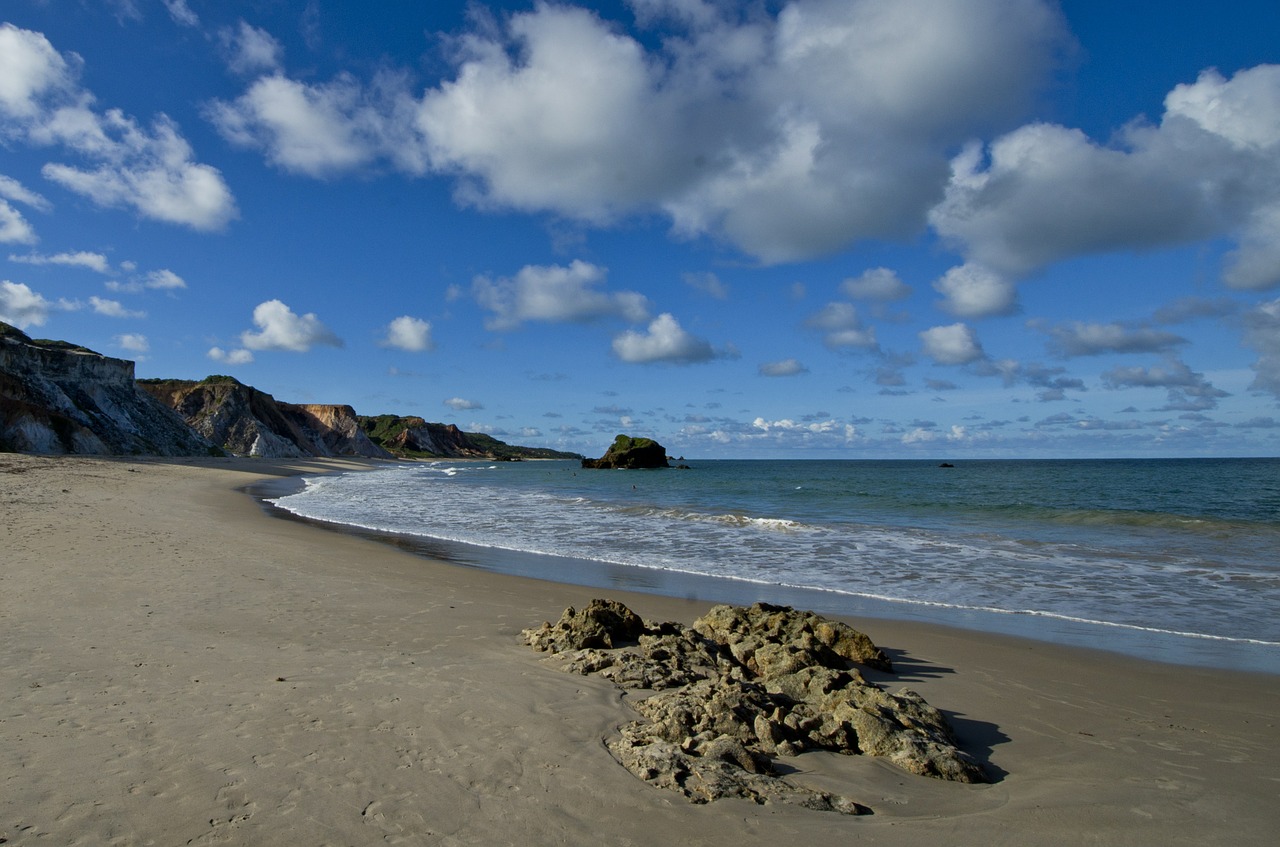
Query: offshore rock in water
(631, 454)
(743, 686)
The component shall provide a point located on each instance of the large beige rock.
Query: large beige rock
(745, 685)
(779, 631)
(603, 623)
(717, 772)
(666, 660)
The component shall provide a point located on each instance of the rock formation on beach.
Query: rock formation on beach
(631, 454)
(743, 686)
(57, 397)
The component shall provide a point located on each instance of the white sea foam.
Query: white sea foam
(1088, 577)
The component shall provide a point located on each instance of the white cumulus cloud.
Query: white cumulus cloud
(14, 228)
(23, 307)
(133, 342)
(1262, 333)
(249, 49)
(319, 129)
(973, 291)
(230, 357)
(408, 333)
(12, 189)
(162, 280)
(805, 433)
(149, 169)
(30, 68)
(786, 367)
(1082, 338)
(1188, 390)
(181, 13)
(459, 404)
(876, 284)
(787, 134)
(113, 308)
(1210, 168)
(842, 327)
(664, 341)
(555, 294)
(279, 328)
(80, 259)
(956, 344)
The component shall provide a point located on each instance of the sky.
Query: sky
(809, 229)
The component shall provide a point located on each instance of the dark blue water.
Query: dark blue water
(1180, 554)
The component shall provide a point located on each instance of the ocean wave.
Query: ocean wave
(677, 515)
(1199, 585)
(1044, 613)
(737, 520)
(1130, 519)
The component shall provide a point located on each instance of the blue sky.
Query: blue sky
(808, 229)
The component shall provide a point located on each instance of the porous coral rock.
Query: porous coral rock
(747, 684)
(747, 630)
(663, 661)
(602, 624)
(703, 779)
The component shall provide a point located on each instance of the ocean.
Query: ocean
(1176, 560)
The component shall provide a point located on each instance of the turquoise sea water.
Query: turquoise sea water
(1178, 560)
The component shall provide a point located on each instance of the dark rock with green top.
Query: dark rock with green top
(631, 454)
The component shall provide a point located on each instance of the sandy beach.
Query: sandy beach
(178, 667)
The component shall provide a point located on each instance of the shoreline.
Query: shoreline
(180, 666)
(1144, 643)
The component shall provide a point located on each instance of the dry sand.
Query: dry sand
(177, 667)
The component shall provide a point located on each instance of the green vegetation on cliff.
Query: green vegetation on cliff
(12, 332)
(631, 453)
(412, 437)
(501, 450)
(59, 397)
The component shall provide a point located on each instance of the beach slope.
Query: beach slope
(178, 667)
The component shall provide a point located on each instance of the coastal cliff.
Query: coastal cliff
(413, 437)
(335, 428)
(57, 397)
(248, 422)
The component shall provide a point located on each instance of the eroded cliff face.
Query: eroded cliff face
(60, 398)
(333, 428)
(412, 437)
(57, 397)
(239, 419)
(247, 422)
